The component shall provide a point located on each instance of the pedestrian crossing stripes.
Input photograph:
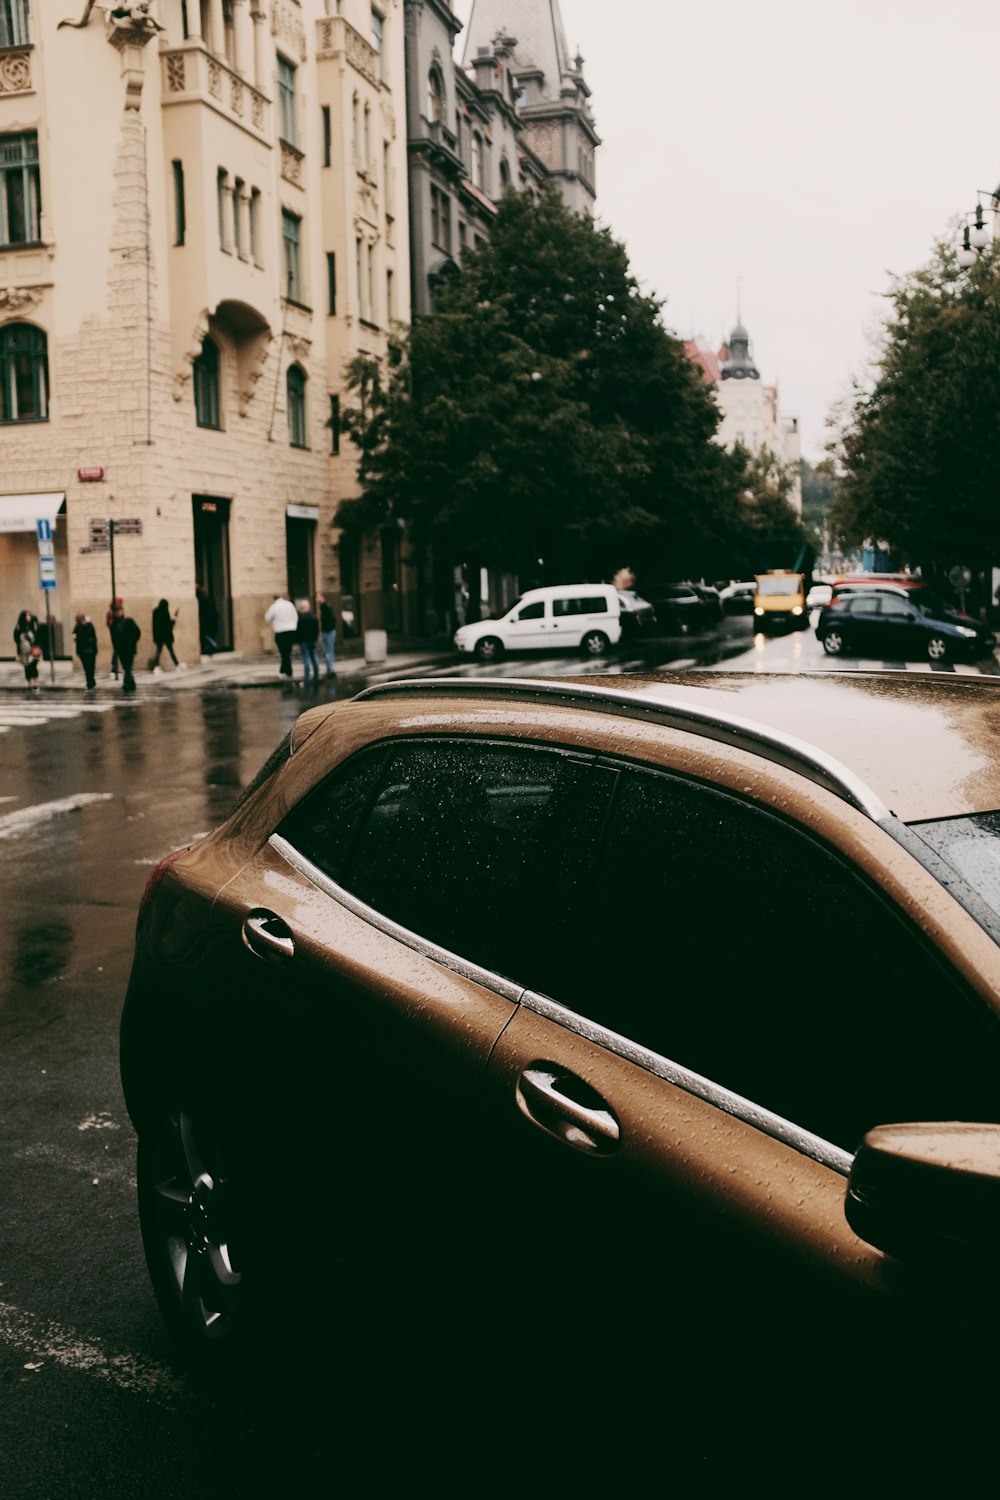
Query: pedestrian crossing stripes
(24, 715)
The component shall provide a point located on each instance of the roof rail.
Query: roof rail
(728, 729)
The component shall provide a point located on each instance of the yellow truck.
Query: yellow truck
(780, 599)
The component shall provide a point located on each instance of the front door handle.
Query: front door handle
(267, 936)
(566, 1107)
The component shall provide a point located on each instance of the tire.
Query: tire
(490, 648)
(937, 649)
(833, 643)
(594, 643)
(192, 1233)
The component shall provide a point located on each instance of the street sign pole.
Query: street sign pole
(47, 579)
(114, 592)
(49, 636)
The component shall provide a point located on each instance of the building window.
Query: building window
(435, 95)
(180, 220)
(360, 278)
(228, 33)
(355, 143)
(239, 187)
(221, 193)
(255, 226)
(378, 42)
(334, 424)
(331, 284)
(387, 183)
(327, 135)
(20, 194)
(504, 173)
(441, 219)
(390, 297)
(462, 231)
(477, 159)
(370, 287)
(207, 407)
(296, 386)
(24, 374)
(286, 101)
(367, 139)
(13, 23)
(291, 224)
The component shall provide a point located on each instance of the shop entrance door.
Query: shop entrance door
(300, 552)
(211, 560)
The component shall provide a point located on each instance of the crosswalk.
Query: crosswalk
(40, 711)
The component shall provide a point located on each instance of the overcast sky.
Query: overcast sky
(807, 149)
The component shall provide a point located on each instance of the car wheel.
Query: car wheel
(594, 643)
(489, 648)
(189, 1216)
(937, 648)
(833, 643)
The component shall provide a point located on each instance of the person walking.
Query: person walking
(327, 630)
(163, 635)
(308, 635)
(208, 621)
(125, 636)
(85, 641)
(109, 620)
(29, 652)
(283, 618)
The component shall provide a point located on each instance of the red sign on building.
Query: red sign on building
(90, 472)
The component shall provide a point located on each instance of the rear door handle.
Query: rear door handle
(268, 936)
(567, 1108)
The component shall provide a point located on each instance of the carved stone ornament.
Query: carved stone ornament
(14, 299)
(297, 346)
(15, 73)
(129, 23)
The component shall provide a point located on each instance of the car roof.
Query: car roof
(922, 746)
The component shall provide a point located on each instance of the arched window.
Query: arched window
(296, 385)
(435, 95)
(504, 173)
(477, 159)
(24, 374)
(207, 406)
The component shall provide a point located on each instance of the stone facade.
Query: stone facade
(194, 328)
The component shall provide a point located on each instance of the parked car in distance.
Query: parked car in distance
(780, 599)
(682, 607)
(576, 616)
(894, 624)
(638, 616)
(373, 1013)
(737, 598)
(819, 594)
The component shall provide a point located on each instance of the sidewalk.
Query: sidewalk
(230, 669)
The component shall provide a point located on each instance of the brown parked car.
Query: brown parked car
(525, 980)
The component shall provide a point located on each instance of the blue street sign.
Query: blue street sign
(44, 529)
(48, 583)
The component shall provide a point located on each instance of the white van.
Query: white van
(583, 616)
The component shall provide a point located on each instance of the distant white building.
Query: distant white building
(750, 411)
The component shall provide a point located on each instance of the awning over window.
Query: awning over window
(303, 512)
(20, 512)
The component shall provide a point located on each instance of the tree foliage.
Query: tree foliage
(919, 444)
(543, 420)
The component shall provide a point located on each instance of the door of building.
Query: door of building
(211, 560)
(300, 554)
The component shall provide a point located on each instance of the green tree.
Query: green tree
(919, 444)
(543, 420)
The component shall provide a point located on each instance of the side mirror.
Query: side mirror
(928, 1193)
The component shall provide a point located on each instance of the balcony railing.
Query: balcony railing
(191, 73)
(335, 38)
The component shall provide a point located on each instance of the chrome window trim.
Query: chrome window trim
(751, 1114)
(736, 1105)
(461, 966)
(728, 729)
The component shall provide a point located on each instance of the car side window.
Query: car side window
(864, 604)
(483, 848)
(324, 824)
(534, 611)
(588, 604)
(744, 950)
(891, 605)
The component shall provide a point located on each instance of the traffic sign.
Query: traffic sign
(48, 583)
(47, 549)
(47, 572)
(44, 529)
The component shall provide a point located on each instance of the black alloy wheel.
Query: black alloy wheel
(190, 1220)
(489, 648)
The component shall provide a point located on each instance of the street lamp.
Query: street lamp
(976, 235)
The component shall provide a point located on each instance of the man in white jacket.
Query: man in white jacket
(283, 618)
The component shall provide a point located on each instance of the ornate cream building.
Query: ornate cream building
(203, 216)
